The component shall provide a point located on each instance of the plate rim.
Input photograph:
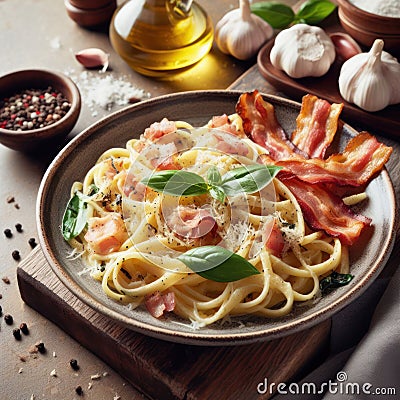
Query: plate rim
(196, 337)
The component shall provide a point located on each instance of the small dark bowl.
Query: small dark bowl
(33, 139)
(365, 27)
(90, 14)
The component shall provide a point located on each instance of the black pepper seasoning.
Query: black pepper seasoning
(33, 109)
(17, 333)
(15, 255)
(40, 347)
(79, 390)
(74, 364)
(24, 328)
(32, 242)
(18, 227)
(8, 319)
(8, 233)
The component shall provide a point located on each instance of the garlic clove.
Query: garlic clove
(345, 46)
(93, 58)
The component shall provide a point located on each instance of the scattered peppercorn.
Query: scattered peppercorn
(24, 328)
(79, 390)
(6, 280)
(18, 227)
(8, 232)
(16, 205)
(32, 242)
(10, 199)
(17, 333)
(15, 255)
(9, 319)
(33, 109)
(74, 364)
(40, 347)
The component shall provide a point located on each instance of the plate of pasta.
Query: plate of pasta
(218, 217)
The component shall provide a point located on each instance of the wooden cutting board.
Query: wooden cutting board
(164, 370)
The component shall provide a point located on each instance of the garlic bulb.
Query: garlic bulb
(303, 50)
(371, 80)
(241, 33)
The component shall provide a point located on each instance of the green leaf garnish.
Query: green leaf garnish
(314, 11)
(75, 217)
(248, 179)
(213, 176)
(217, 264)
(278, 15)
(334, 280)
(177, 183)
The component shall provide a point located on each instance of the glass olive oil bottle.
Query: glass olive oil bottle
(156, 37)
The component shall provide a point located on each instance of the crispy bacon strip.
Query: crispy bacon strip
(362, 158)
(326, 211)
(261, 125)
(317, 124)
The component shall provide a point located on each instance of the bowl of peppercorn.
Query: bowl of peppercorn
(37, 107)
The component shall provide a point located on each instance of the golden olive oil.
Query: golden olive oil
(156, 37)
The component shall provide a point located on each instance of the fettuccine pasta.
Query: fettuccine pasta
(133, 235)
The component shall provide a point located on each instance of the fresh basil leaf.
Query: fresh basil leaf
(334, 280)
(217, 193)
(278, 15)
(217, 264)
(75, 217)
(314, 11)
(176, 183)
(248, 179)
(213, 176)
(93, 189)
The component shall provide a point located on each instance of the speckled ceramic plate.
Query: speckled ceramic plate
(368, 256)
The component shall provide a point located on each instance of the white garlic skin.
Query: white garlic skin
(303, 50)
(241, 33)
(371, 80)
(92, 58)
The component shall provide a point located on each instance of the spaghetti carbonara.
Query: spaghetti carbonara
(133, 236)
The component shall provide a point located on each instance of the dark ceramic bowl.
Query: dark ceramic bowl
(365, 27)
(32, 139)
(368, 256)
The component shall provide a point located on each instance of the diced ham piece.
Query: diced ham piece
(157, 303)
(159, 129)
(230, 144)
(165, 164)
(133, 188)
(274, 240)
(106, 234)
(114, 166)
(192, 223)
(223, 124)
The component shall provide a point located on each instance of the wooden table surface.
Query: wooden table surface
(38, 33)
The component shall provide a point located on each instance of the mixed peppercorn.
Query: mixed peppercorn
(33, 109)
